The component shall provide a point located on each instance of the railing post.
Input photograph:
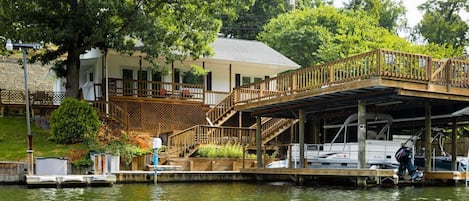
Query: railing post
(378, 61)
(293, 82)
(448, 74)
(331, 74)
(203, 94)
(261, 90)
(429, 69)
(236, 97)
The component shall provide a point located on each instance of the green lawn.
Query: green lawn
(13, 141)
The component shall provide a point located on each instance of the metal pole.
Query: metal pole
(30, 150)
(155, 164)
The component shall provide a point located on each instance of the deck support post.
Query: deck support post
(259, 141)
(361, 134)
(453, 145)
(301, 137)
(316, 129)
(428, 137)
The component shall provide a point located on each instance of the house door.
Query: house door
(127, 76)
(237, 80)
(177, 77)
(142, 83)
(156, 85)
(209, 81)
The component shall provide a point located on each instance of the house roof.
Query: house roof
(249, 51)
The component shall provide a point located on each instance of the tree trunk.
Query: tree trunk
(73, 75)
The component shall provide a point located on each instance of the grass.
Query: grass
(13, 141)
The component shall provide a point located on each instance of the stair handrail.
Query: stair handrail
(182, 141)
(223, 107)
(114, 112)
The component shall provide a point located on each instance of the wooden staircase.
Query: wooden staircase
(223, 111)
(114, 119)
(186, 142)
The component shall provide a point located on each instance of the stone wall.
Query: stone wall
(12, 172)
(12, 76)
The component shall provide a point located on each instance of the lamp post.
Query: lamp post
(24, 46)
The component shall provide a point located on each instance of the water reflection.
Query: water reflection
(232, 191)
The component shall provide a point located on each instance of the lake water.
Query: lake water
(232, 191)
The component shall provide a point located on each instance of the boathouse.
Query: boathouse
(418, 91)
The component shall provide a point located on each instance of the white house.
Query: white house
(235, 62)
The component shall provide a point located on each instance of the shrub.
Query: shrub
(225, 151)
(74, 121)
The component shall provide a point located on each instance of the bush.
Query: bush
(74, 121)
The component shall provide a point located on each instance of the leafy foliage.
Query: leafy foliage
(194, 76)
(441, 23)
(127, 146)
(315, 36)
(74, 121)
(250, 22)
(389, 13)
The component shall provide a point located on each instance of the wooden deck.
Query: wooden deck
(378, 76)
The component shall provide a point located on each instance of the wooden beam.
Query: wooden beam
(313, 92)
(361, 130)
(322, 172)
(454, 135)
(316, 129)
(259, 141)
(295, 106)
(301, 137)
(428, 137)
(435, 95)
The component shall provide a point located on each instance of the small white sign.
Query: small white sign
(157, 143)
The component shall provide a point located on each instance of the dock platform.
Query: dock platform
(59, 181)
(378, 176)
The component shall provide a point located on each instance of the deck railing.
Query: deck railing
(212, 98)
(387, 64)
(153, 89)
(17, 97)
(204, 134)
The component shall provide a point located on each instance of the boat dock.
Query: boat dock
(360, 177)
(39, 181)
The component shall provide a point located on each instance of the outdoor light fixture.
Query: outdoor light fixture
(24, 46)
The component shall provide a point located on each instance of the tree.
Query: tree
(441, 23)
(388, 12)
(315, 36)
(67, 28)
(250, 22)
